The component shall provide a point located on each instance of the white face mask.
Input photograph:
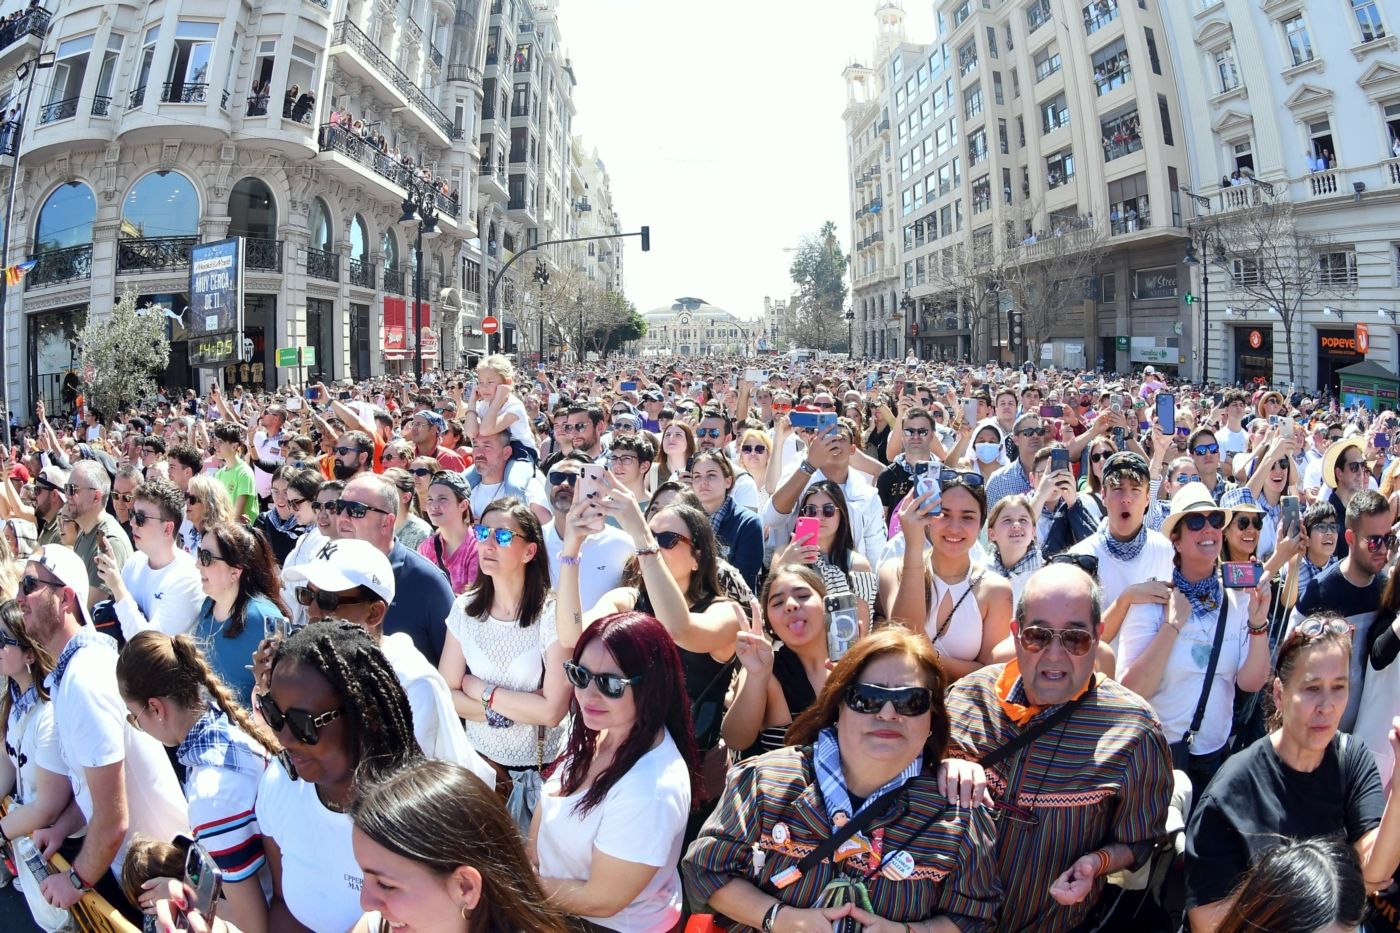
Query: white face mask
(986, 453)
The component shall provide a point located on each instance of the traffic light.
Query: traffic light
(1190, 298)
(1016, 333)
(541, 272)
(646, 239)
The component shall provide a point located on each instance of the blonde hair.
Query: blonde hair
(213, 495)
(501, 365)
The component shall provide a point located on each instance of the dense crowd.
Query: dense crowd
(706, 644)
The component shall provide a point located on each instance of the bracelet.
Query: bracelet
(1176, 626)
(569, 561)
(649, 550)
(1256, 632)
(770, 916)
(1102, 856)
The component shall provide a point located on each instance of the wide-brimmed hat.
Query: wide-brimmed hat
(1193, 497)
(1334, 453)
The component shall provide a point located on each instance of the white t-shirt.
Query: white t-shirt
(93, 732)
(1154, 563)
(435, 723)
(862, 501)
(1231, 442)
(520, 479)
(520, 427)
(321, 880)
(600, 562)
(268, 448)
(168, 599)
(31, 744)
(641, 820)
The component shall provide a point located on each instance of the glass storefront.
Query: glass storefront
(53, 357)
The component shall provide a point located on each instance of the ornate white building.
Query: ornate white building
(694, 327)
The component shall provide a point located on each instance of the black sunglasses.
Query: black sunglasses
(1031, 432)
(139, 518)
(609, 685)
(826, 510)
(356, 509)
(29, 583)
(1089, 563)
(869, 699)
(1244, 523)
(562, 478)
(205, 557)
(303, 726)
(669, 539)
(754, 448)
(1076, 641)
(421, 471)
(947, 477)
(1197, 520)
(328, 601)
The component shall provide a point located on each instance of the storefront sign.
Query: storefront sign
(216, 302)
(1154, 284)
(1121, 343)
(287, 357)
(1363, 339)
(1146, 350)
(1339, 344)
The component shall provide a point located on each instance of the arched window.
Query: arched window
(359, 239)
(252, 211)
(161, 204)
(320, 225)
(66, 218)
(391, 249)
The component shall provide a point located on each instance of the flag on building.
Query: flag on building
(15, 273)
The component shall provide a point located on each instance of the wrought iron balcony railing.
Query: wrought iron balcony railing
(393, 280)
(154, 254)
(322, 265)
(102, 106)
(59, 110)
(179, 92)
(347, 33)
(262, 255)
(60, 265)
(362, 273)
(31, 22)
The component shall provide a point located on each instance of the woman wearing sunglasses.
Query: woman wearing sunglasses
(206, 504)
(1304, 780)
(502, 659)
(879, 725)
(452, 547)
(243, 596)
(677, 448)
(738, 531)
(832, 554)
(342, 718)
(172, 694)
(1165, 651)
(422, 469)
(1091, 485)
(607, 835)
(755, 453)
(280, 522)
(37, 795)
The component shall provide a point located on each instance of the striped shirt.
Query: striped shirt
(223, 766)
(1102, 776)
(772, 801)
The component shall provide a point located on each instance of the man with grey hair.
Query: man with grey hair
(1088, 793)
(367, 510)
(99, 532)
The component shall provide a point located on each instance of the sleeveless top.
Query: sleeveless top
(705, 680)
(961, 632)
(797, 693)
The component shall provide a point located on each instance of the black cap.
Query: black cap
(1126, 461)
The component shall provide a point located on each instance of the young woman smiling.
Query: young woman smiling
(833, 553)
(452, 547)
(677, 447)
(738, 531)
(1011, 529)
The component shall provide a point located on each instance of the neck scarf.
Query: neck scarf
(85, 637)
(1028, 564)
(21, 703)
(831, 780)
(1204, 595)
(286, 525)
(722, 514)
(1126, 551)
(1011, 693)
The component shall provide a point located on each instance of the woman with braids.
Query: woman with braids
(171, 693)
(607, 835)
(244, 593)
(341, 717)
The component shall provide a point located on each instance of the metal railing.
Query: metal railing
(435, 54)
(261, 254)
(178, 92)
(448, 205)
(9, 137)
(58, 110)
(137, 98)
(32, 22)
(338, 139)
(347, 33)
(1130, 223)
(101, 106)
(60, 265)
(467, 73)
(393, 281)
(361, 273)
(322, 265)
(154, 254)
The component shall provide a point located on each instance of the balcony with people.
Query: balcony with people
(360, 57)
(22, 31)
(346, 137)
(1111, 68)
(1121, 135)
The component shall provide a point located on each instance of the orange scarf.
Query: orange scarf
(1022, 715)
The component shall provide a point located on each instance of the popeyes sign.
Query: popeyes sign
(1363, 338)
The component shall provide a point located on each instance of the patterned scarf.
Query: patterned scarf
(1204, 595)
(21, 703)
(287, 526)
(826, 761)
(1126, 551)
(83, 639)
(722, 514)
(1032, 562)
(1011, 693)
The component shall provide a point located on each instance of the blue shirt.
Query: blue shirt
(230, 657)
(422, 599)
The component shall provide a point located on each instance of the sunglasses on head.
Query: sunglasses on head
(609, 685)
(1197, 520)
(669, 539)
(1202, 450)
(1245, 522)
(754, 448)
(869, 699)
(302, 725)
(356, 509)
(1076, 641)
(1379, 542)
(825, 510)
(206, 557)
(29, 583)
(1089, 563)
(503, 536)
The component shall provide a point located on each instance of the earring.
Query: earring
(463, 911)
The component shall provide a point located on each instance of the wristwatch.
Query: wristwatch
(806, 467)
(486, 696)
(76, 880)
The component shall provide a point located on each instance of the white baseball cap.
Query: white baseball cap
(64, 563)
(344, 564)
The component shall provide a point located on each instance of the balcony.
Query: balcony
(322, 265)
(262, 255)
(435, 55)
(9, 137)
(381, 68)
(60, 265)
(335, 139)
(154, 254)
(1393, 168)
(362, 274)
(1238, 196)
(137, 98)
(393, 281)
(102, 106)
(465, 73)
(31, 22)
(446, 204)
(1131, 221)
(58, 110)
(177, 92)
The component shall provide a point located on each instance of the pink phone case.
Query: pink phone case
(806, 527)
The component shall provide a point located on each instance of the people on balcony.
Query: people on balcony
(303, 106)
(257, 99)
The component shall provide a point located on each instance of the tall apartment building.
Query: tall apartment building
(1274, 86)
(161, 125)
(599, 261)
(1025, 129)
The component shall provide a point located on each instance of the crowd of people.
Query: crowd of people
(689, 644)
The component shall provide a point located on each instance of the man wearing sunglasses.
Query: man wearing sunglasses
(1346, 473)
(894, 482)
(354, 454)
(828, 456)
(98, 530)
(1352, 587)
(122, 780)
(425, 429)
(368, 508)
(1027, 438)
(1112, 783)
(583, 425)
(123, 491)
(50, 484)
(159, 586)
(716, 432)
(1203, 448)
(602, 555)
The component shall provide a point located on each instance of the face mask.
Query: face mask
(986, 453)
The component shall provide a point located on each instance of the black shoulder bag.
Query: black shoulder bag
(1181, 749)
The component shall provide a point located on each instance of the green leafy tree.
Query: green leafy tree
(123, 354)
(816, 315)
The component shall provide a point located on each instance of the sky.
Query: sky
(720, 125)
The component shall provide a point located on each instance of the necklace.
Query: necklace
(329, 804)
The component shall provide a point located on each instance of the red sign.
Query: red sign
(489, 325)
(1363, 338)
(1256, 339)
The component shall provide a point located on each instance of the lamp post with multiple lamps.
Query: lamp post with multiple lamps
(1206, 237)
(850, 333)
(420, 208)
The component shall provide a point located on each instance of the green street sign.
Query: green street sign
(308, 356)
(287, 357)
(1122, 343)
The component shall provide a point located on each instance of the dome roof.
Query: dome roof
(688, 307)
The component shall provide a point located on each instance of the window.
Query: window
(1244, 271)
(1244, 155)
(1038, 14)
(982, 195)
(1121, 133)
(1164, 109)
(1152, 58)
(972, 101)
(161, 204)
(302, 71)
(1337, 268)
(1054, 114)
(252, 211)
(1392, 126)
(1010, 45)
(105, 77)
(1368, 18)
(1099, 14)
(520, 101)
(320, 226)
(1299, 43)
(1225, 69)
(908, 275)
(992, 41)
(66, 218)
(1047, 62)
(1059, 168)
(1111, 67)
(143, 73)
(1128, 210)
(187, 78)
(961, 14)
(967, 57)
(1320, 133)
(1006, 185)
(920, 272)
(1108, 288)
(976, 147)
(945, 178)
(1003, 137)
(996, 88)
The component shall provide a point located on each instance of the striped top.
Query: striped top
(1102, 776)
(773, 801)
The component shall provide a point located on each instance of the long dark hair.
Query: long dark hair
(704, 582)
(1298, 887)
(641, 646)
(441, 816)
(483, 592)
(249, 552)
(376, 708)
(12, 620)
(843, 543)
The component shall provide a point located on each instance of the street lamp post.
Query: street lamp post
(850, 333)
(906, 308)
(1192, 259)
(542, 279)
(420, 208)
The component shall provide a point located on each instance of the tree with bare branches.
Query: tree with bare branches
(1046, 278)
